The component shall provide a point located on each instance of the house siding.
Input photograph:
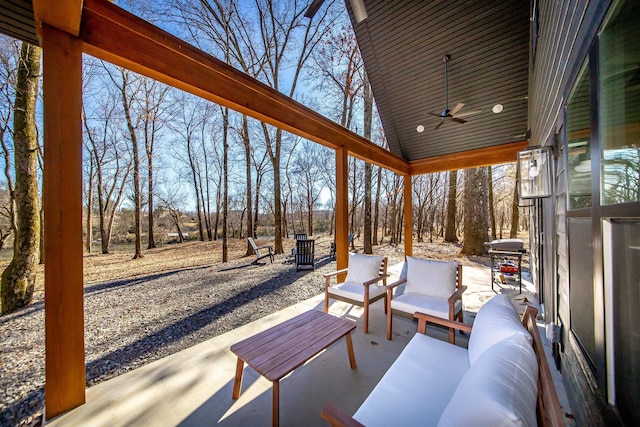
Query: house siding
(565, 32)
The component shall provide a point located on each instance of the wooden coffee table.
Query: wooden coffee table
(284, 347)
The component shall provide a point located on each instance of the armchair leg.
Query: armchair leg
(385, 305)
(366, 317)
(326, 301)
(389, 323)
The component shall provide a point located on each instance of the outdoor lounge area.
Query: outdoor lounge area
(194, 387)
(552, 86)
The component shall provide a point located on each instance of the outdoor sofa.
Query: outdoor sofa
(502, 379)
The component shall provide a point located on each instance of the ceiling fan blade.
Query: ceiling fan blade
(435, 114)
(456, 108)
(468, 113)
(439, 124)
(457, 120)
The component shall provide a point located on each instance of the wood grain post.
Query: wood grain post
(408, 220)
(62, 202)
(342, 210)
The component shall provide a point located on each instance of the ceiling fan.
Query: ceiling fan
(450, 115)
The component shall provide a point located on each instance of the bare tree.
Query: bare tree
(112, 170)
(153, 108)
(129, 86)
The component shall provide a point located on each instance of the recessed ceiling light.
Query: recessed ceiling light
(420, 128)
(497, 108)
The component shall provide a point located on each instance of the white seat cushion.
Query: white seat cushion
(363, 268)
(500, 388)
(355, 291)
(417, 387)
(410, 303)
(431, 278)
(495, 321)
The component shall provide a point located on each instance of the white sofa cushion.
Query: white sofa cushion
(431, 278)
(355, 291)
(410, 303)
(417, 387)
(363, 268)
(495, 321)
(500, 388)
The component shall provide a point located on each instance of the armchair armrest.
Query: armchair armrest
(424, 318)
(327, 277)
(335, 273)
(398, 283)
(457, 294)
(338, 418)
(270, 247)
(377, 279)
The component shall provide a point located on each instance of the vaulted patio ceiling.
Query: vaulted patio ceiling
(403, 43)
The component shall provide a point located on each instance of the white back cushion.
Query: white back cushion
(363, 268)
(495, 321)
(500, 389)
(431, 278)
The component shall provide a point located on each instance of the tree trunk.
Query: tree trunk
(89, 219)
(136, 167)
(475, 212)
(249, 199)
(492, 211)
(225, 184)
(376, 213)
(515, 213)
(18, 279)
(368, 168)
(152, 241)
(450, 234)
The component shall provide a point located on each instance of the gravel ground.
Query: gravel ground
(132, 322)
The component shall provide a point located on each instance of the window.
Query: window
(579, 142)
(619, 106)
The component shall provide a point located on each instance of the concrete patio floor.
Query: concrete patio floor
(193, 387)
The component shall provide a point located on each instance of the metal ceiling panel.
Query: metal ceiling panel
(403, 43)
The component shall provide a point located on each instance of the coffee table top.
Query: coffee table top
(280, 349)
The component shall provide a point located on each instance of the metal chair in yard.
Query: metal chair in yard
(305, 251)
(261, 251)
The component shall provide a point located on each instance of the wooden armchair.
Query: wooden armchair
(431, 287)
(261, 251)
(305, 253)
(361, 284)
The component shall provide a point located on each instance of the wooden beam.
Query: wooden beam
(112, 34)
(342, 209)
(62, 203)
(408, 217)
(469, 159)
(64, 15)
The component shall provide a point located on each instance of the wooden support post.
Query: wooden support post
(62, 201)
(408, 220)
(342, 209)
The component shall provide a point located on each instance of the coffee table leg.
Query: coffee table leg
(276, 403)
(352, 357)
(237, 382)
